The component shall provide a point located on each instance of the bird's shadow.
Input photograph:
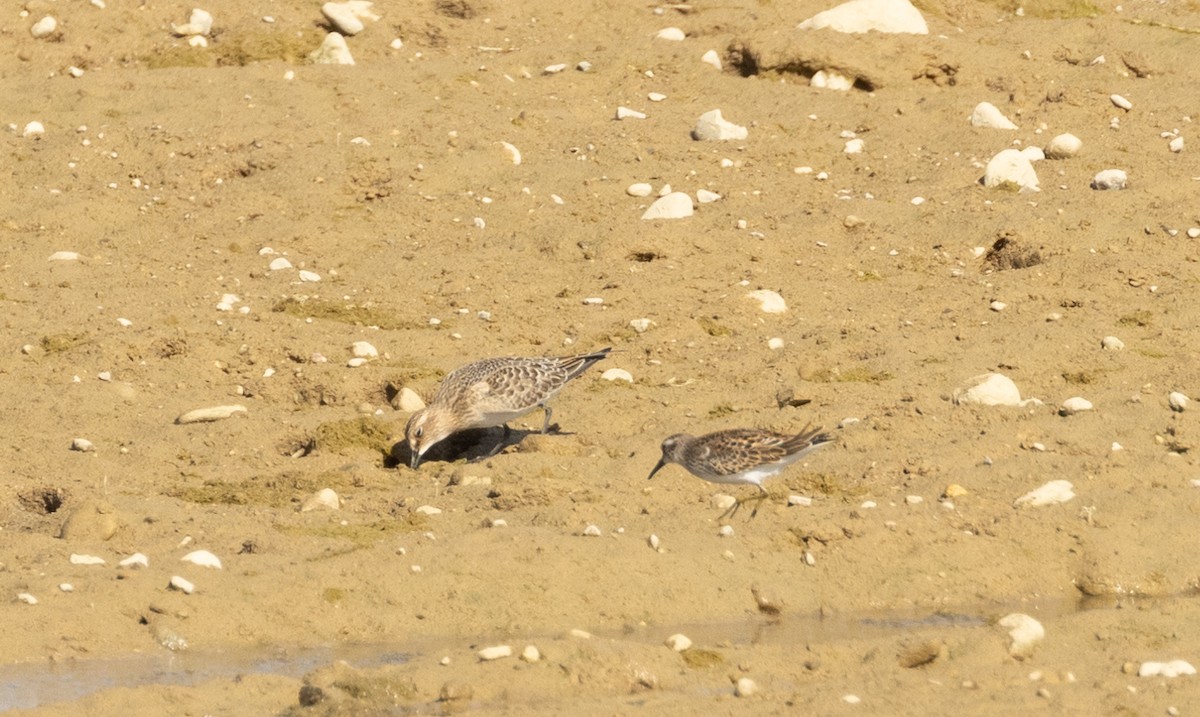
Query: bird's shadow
(471, 445)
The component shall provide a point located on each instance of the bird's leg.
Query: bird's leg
(546, 422)
(497, 448)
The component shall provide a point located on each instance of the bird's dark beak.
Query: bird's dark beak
(414, 460)
(658, 466)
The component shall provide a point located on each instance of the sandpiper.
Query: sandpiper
(492, 392)
(739, 455)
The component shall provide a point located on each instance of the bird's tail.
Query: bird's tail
(809, 436)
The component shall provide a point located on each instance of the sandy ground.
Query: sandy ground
(169, 171)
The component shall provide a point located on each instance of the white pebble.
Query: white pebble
(1112, 343)
(514, 154)
(593, 301)
(81, 559)
(1010, 168)
(63, 256)
(711, 58)
(428, 510)
(137, 560)
(396, 44)
(1174, 668)
(770, 302)
(324, 499)
(1175, 145)
(854, 146)
(181, 584)
(1193, 232)
(44, 27)
(1110, 179)
(1025, 633)
(342, 17)
(775, 343)
(678, 642)
(279, 264)
(640, 325)
(1075, 404)
(704, 196)
(309, 276)
(364, 349)
(712, 126)
(851, 699)
(333, 51)
(723, 501)
(1063, 146)
(66, 587)
(1052, 493)
(530, 654)
(199, 41)
(125, 323)
(989, 389)
(617, 374)
(989, 116)
(626, 113)
(215, 413)
(592, 531)
(675, 205)
(914, 499)
(656, 97)
(584, 66)
(725, 531)
(639, 189)
(861, 16)
(27, 598)
(831, 80)
(673, 34)
(495, 653)
(82, 445)
(410, 401)
(654, 541)
(997, 306)
(203, 558)
(745, 687)
(34, 129)
(800, 500)
(199, 23)
(1178, 401)
(1121, 102)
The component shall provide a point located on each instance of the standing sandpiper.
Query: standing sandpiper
(739, 455)
(492, 392)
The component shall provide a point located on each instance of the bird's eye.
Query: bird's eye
(419, 432)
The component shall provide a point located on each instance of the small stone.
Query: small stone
(592, 531)
(1063, 146)
(347, 17)
(861, 16)
(27, 598)
(745, 687)
(66, 587)
(639, 189)
(1178, 401)
(199, 23)
(82, 445)
(279, 264)
(704, 196)
(428, 510)
(309, 275)
(215, 413)
(333, 51)
(497, 652)
(770, 302)
(617, 374)
(989, 389)
(530, 654)
(362, 349)
(711, 58)
(914, 500)
(653, 541)
(713, 127)
(1012, 169)
(82, 559)
(1052, 493)
(672, 34)
(725, 531)
(181, 584)
(626, 113)
(35, 129)
(1025, 634)
(1112, 343)
(514, 154)
(409, 400)
(997, 306)
(775, 343)
(989, 116)
(324, 499)
(854, 146)
(1176, 146)
(137, 560)
(675, 205)
(954, 490)
(640, 325)
(1121, 102)
(92, 520)
(800, 500)
(1110, 179)
(1174, 668)
(678, 642)
(831, 80)
(203, 558)
(656, 97)
(357, 362)
(583, 66)
(44, 28)
(1073, 405)
(723, 501)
